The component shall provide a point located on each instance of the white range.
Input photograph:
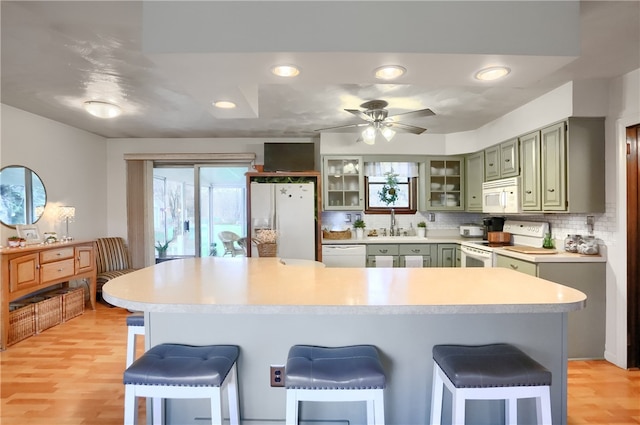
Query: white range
(480, 254)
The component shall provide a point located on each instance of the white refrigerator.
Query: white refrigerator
(289, 208)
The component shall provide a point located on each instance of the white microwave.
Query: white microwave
(501, 196)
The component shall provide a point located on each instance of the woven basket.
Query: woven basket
(336, 235)
(22, 323)
(267, 249)
(48, 313)
(72, 301)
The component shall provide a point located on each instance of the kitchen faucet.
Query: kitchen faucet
(392, 231)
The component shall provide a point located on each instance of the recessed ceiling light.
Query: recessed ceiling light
(102, 109)
(389, 72)
(285, 70)
(224, 104)
(492, 73)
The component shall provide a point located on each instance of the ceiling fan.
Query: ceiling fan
(378, 121)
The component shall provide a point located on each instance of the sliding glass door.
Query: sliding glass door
(213, 223)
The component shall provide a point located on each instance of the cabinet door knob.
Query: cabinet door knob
(507, 160)
(59, 254)
(415, 250)
(528, 192)
(474, 197)
(491, 164)
(514, 267)
(384, 251)
(552, 190)
(37, 266)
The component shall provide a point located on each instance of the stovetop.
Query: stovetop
(527, 233)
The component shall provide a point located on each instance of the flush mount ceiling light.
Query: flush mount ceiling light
(224, 104)
(285, 70)
(492, 73)
(389, 72)
(102, 109)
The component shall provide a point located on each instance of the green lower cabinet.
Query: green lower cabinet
(382, 250)
(458, 257)
(410, 252)
(447, 255)
(585, 327)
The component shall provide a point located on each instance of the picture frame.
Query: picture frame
(30, 233)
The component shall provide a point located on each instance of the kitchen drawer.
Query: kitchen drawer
(57, 270)
(56, 254)
(517, 265)
(418, 249)
(382, 249)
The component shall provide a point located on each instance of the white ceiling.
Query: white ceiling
(164, 62)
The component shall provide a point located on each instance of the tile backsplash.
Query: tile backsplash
(560, 224)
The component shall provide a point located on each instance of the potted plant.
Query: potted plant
(14, 241)
(162, 249)
(422, 229)
(359, 226)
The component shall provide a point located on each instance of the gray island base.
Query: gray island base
(266, 306)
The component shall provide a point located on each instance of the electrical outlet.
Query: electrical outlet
(431, 217)
(277, 375)
(591, 220)
(347, 218)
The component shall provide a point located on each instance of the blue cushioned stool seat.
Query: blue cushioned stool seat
(135, 319)
(183, 371)
(352, 373)
(355, 367)
(488, 372)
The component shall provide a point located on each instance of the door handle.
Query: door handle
(513, 266)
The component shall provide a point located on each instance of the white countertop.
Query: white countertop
(558, 257)
(265, 285)
(396, 240)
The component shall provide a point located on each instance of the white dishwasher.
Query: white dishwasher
(344, 255)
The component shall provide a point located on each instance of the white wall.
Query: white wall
(71, 164)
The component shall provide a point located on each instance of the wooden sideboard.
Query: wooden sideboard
(36, 267)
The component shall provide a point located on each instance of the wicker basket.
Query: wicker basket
(48, 312)
(336, 235)
(267, 249)
(72, 302)
(22, 323)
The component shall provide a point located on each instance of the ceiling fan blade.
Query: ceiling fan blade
(415, 114)
(406, 128)
(360, 114)
(350, 126)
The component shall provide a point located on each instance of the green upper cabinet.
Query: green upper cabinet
(444, 184)
(474, 176)
(501, 161)
(530, 156)
(343, 183)
(563, 167)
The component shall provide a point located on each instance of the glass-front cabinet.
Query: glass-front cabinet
(445, 183)
(343, 183)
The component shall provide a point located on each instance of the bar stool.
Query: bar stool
(488, 372)
(135, 326)
(183, 371)
(352, 373)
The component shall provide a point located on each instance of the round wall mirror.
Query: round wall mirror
(22, 196)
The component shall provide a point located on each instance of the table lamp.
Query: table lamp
(66, 213)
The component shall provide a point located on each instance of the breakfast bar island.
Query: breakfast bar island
(266, 305)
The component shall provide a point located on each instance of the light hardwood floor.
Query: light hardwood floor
(72, 375)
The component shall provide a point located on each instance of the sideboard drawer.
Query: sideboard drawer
(56, 254)
(57, 270)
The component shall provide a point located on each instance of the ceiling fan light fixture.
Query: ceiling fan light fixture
(492, 73)
(389, 72)
(285, 70)
(102, 109)
(369, 135)
(224, 104)
(387, 133)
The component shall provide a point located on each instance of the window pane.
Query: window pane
(375, 188)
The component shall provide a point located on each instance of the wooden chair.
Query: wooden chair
(112, 260)
(229, 241)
